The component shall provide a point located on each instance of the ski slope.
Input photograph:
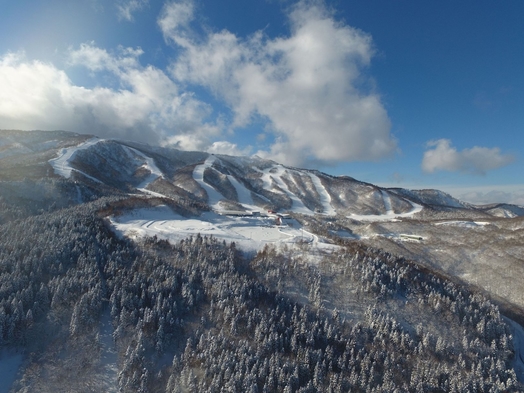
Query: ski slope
(244, 195)
(214, 197)
(149, 165)
(388, 216)
(62, 164)
(273, 175)
(325, 198)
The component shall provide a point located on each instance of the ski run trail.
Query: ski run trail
(213, 195)
(149, 164)
(62, 163)
(325, 198)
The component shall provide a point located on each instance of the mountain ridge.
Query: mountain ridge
(264, 184)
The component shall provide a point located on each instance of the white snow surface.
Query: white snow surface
(387, 202)
(62, 163)
(244, 195)
(464, 224)
(150, 165)
(325, 198)
(274, 174)
(248, 233)
(390, 215)
(213, 195)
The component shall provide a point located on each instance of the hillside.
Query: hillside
(127, 267)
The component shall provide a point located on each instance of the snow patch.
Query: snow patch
(518, 344)
(387, 202)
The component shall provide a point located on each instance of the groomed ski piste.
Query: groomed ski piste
(390, 215)
(62, 163)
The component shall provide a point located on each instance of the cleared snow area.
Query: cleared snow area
(108, 358)
(274, 175)
(325, 198)
(387, 202)
(464, 224)
(249, 233)
(10, 363)
(390, 215)
(198, 174)
(150, 165)
(244, 195)
(62, 163)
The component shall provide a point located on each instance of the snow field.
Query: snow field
(249, 233)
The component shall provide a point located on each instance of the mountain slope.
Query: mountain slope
(223, 182)
(126, 267)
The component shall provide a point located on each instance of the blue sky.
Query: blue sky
(406, 93)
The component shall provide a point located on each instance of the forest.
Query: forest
(92, 311)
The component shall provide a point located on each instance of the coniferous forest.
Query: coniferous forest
(91, 311)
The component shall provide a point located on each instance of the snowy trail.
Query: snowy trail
(297, 205)
(150, 165)
(108, 356)
(325, 198)
(388, 216)
(387, 202)
(198, 174)
(79, 195)
(62, 163)
(244, 195)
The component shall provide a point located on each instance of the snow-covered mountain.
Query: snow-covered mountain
(129, 267)
(220, 181)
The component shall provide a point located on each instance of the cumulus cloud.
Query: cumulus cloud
(308, 89)
(306, 85)
(441, 155)
(146, 105)
(126, 8)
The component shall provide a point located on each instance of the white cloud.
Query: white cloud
(232, 149)
(441, 155)
(175, 19)
(487, 194)
(126, 8)
(305, 85)
(146, 106)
